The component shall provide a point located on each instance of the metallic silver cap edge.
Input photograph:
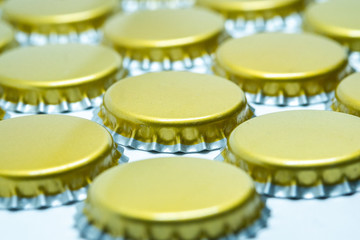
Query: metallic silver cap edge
(354, 60)
(90, 232)
(43, 201)
(241, 27)
(91, 36)
(156, 147)
(300, 192)
(63, 107)
(200, 64)
(136, 5)
(281, 100)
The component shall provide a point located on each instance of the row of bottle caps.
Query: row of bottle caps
(147, 41)
(297, 154)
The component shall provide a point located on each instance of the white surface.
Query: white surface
(331, 219)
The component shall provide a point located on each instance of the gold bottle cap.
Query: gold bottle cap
(230, 6)
(6, 35)
(336, 19)
(283, 69)
(173, 111)
(57, 78)
(165, 35)
(172, 198)
(300, 154)
(347, 97)
(51, 156)
(136, 5)
(49, 17)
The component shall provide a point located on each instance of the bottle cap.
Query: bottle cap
(347, 97)
(40, 22)
(245, 17)
(336, 19)
(48, 160)
(6, 36)
(185, 198)
(165, 39)
(173, 111)
(299, 154)
(136, 5)
(283, 69)
(57, 78)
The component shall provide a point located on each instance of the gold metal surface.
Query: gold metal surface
(48, 154)
(167, 198)
(347, 97)
(166, 33)
(2, 113)
(174, 108)
(43, 16)
(336, 19)
(56, 73)
(6, 35)
(282, 64)
(304, 148)
(56, 12)
(250, 9)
